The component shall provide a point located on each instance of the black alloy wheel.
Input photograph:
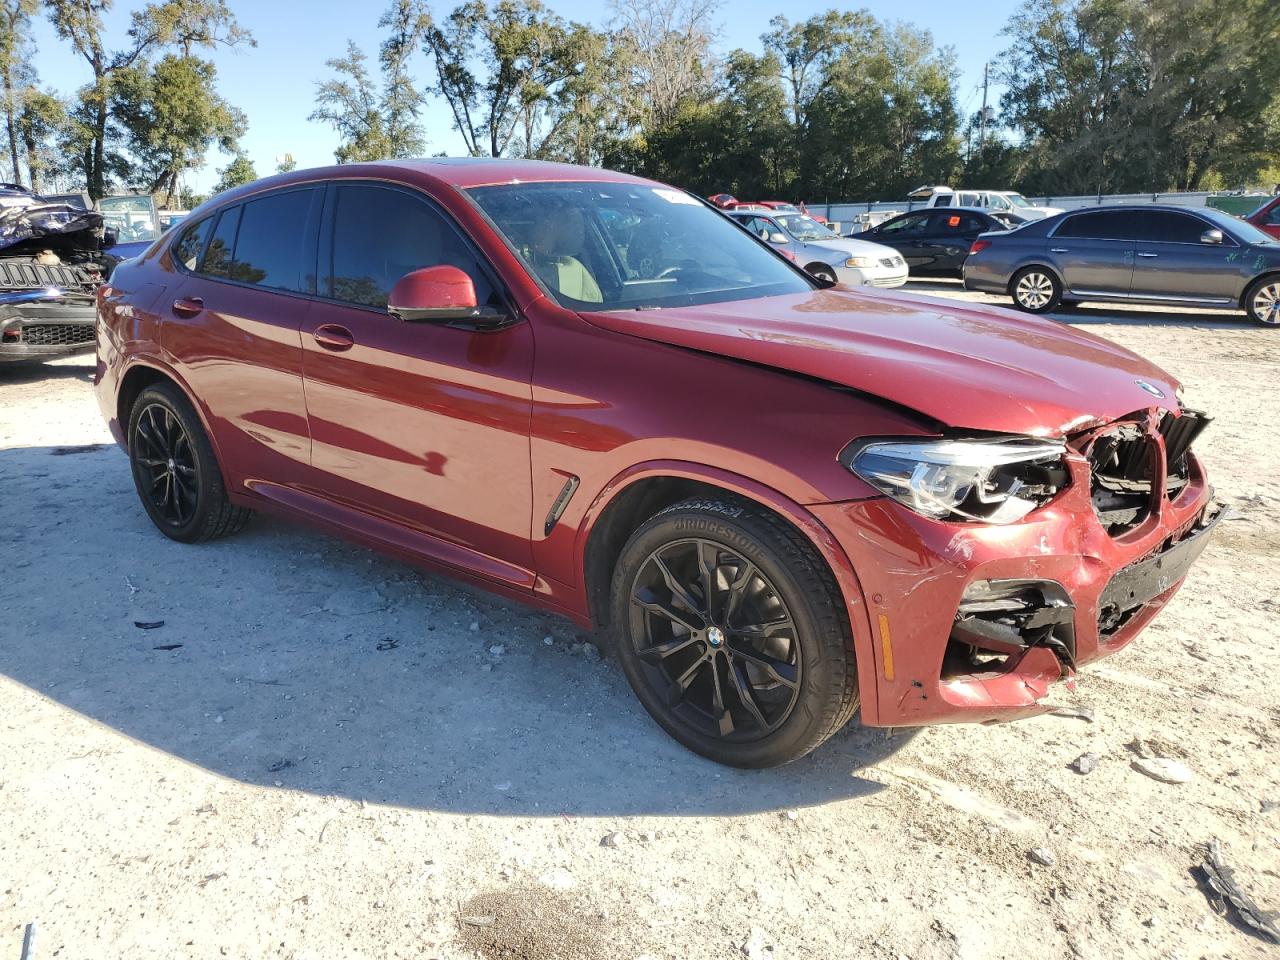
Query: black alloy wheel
(718, 635)
(732, 632)
(175, 471)
(163, 451)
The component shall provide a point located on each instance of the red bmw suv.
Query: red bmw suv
(783, 500)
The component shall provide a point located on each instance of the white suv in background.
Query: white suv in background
(1002, 201)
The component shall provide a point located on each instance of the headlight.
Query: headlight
(860, 262)
(990, 481)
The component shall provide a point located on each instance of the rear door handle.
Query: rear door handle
(1148, 254)
(333, 337)
(188, 306)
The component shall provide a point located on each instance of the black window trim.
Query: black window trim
(1209, 225)
(308, 253)
(328, 224)
(212, 219)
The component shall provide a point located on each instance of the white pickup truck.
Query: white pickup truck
(1003, 201)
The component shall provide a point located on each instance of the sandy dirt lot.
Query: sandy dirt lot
(324, 753)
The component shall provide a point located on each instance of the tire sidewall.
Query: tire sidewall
(1253, 292)
(1053, 302)
(723, 524)
(206, 469)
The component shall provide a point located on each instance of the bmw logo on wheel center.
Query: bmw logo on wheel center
(1151, 389)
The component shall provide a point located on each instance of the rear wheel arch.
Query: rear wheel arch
(1033, 265)
(142, 375)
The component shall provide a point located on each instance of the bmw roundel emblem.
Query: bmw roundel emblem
(1151, 388)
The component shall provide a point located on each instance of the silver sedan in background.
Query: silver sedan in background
(819, 251)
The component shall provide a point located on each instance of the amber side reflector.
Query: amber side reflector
(886, 647)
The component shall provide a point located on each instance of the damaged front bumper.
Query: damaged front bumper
(45, 324)
(973, 622)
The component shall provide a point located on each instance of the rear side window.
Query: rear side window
(1162, 226)
(1272, 216)
(958, 222)
(271, 245)
(188, 247)
(1101, 225)
(217, 259)
(946, 200)
(381, 234)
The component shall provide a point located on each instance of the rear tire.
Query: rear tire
(1262, 302)
(759, 669)
(174, 469)
(1035, 289)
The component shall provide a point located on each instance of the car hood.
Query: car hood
(857, 248)
(977, 368)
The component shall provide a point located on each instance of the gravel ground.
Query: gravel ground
(324, 753)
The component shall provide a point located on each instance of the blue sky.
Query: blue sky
(274, 83)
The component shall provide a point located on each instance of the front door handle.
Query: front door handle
(188, 306)
(333, 337)
(1148, 254)
(1059, 250)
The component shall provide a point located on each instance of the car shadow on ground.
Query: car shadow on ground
(78, 368)
(287, 658)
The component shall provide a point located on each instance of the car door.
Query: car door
(232, 326)
(1093, 251)
(423, 425)
(1173, 262)
(908, 234)
(949, 237)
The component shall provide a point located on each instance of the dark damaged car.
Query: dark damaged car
(53, 256)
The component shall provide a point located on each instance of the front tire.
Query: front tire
(822, 272)
(1035, 289)
(1262, 302)
(174, 469)
(732, 633)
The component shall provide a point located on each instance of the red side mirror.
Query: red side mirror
(433, 294)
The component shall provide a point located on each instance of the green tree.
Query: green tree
(41, 122)
(186, 24)
(513, 75)
(376, 122)
(170, 115)
(1138, 95)
(15, 70)
(238, 172)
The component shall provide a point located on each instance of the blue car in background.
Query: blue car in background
(1145, 253)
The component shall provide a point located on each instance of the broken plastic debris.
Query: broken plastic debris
(1223, 890)
(1164, 769)
(148, 624)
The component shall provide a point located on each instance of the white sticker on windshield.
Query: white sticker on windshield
(675, 196)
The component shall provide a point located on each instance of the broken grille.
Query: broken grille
(1123, 468)
(57, 334)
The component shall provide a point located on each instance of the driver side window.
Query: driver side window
(380, 234)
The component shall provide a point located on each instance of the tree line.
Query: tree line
(1099, 96)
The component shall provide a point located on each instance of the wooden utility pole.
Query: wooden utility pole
(982, 117)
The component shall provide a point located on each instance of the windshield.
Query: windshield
(786, 207)
(632, 246)
(133, 218)
(1242, 230)
(1017, 199)
(803, 227)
